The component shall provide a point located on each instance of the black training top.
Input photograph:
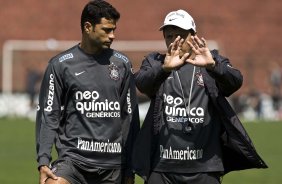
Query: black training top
(88, 107)
(182, 107)
(190, 129)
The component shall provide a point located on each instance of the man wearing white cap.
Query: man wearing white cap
(190, 134)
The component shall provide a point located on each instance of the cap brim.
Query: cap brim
(162, 27)
(185, 28)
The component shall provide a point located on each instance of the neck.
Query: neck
(88, 48)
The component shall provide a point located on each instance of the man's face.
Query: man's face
(171, 33)
(102, 35)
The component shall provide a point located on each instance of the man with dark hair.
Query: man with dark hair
(190, 133)
(88, 107)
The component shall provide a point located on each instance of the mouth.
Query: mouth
(108, 44)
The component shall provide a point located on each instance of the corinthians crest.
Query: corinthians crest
(114, 72)
(200, 80)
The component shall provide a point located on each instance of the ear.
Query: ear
(88, 27)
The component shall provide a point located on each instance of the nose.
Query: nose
(112, 35)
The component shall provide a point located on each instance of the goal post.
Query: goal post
(12, 46)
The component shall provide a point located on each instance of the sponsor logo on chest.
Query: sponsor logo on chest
(90, 104)
(175, 111)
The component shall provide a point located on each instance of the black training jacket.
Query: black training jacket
(238, 150)
(88, 108)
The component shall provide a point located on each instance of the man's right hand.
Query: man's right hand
(172, 60)
(45, 173)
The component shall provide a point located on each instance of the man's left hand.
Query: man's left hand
(203, 57)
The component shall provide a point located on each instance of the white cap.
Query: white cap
(179, 18)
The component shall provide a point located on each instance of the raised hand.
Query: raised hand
(172, 59)
(203, 57)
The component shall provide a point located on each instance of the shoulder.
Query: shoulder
(155, 56)
(216, 56)
(153, 59)
(117, 55)
(65, 56)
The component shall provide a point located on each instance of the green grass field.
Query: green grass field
(18, 165)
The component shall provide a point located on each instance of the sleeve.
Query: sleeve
(48, 114)
(227, 78)
(151, 74)
(130, 118)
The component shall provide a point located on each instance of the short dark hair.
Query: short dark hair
(193, 33)
(95, 10)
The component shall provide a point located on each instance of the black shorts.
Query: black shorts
(74, 175)
(189, 178)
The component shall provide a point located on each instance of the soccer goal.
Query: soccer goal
(24, 62)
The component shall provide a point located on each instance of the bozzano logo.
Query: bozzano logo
(50, 94)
